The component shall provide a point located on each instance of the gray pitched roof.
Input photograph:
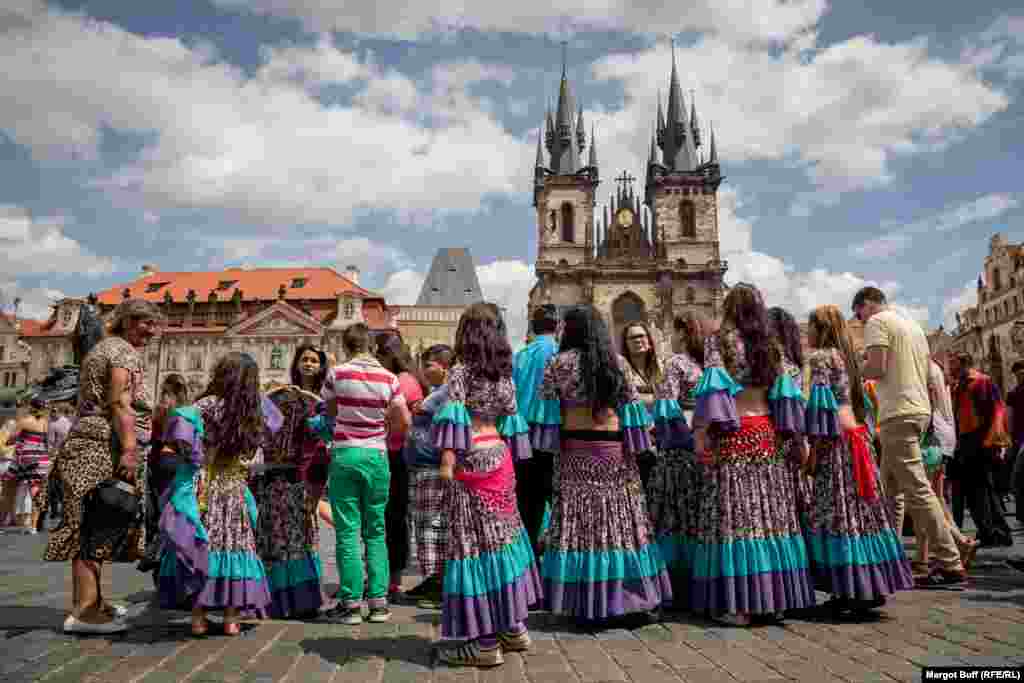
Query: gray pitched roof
(452, 280)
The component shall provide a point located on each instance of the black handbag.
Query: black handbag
(110, 512)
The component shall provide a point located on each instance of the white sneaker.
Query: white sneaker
(73, 625)
(120, 611)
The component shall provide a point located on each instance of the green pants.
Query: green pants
(358, 491)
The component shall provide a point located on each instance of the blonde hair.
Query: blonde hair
(132, 309)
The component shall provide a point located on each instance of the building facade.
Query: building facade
(265, 312)
(639, 258)
(15, 355)
(992, 331)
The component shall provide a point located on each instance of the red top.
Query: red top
(413, 393)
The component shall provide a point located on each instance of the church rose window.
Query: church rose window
(568, 228)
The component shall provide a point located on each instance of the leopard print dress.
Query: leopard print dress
(86, 459)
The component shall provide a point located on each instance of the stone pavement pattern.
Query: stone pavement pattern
(981, 626)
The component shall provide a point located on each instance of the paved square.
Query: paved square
(981, 626)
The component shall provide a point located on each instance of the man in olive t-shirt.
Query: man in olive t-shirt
(897, 356)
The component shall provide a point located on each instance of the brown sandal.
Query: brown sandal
(968, 552)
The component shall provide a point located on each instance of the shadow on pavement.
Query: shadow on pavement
(410, 649)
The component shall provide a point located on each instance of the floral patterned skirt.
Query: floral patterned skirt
(673, 494)
(855, 551)
(749, 555)
(601, 559)
(490, 576)
(288, 543)
(209, 557)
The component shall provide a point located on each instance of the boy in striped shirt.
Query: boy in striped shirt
(363, 402)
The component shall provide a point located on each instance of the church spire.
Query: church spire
(564, 156)
(592, 162)
(540, 153)
(694, 123)
(676, 140)
(713, 152)
(581, 130)
(661, 116)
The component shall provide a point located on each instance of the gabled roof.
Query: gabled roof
(452, 280)
(254, 283)
(280, 309)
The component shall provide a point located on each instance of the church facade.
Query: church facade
(643, 257)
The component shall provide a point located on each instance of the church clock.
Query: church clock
(625, 217)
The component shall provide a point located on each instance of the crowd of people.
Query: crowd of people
(592, 478)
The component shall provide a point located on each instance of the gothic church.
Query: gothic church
(638, 258)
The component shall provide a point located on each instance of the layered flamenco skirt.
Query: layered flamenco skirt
(287, 542)
(855, 552)
(673, 494)
(601, 559)
(490, 575)
(749, 556)
(210, 557)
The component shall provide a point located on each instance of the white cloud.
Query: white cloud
(403, 287)
(802, 292)
(262, 146)
(965, 297)
(34, 302)
(38, 245)
(735, 233)
(753, 20)
(508, 284)
(952, 217)
(840, 112)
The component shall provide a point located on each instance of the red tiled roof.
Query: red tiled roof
(255, 283)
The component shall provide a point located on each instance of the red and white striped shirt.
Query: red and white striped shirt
(364, 391)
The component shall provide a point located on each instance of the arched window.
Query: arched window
(997, 280)
(568, 228)
(691, 295)
(688, 219)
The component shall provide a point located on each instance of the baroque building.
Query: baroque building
(640, 257)
(992, 330)
(15, 354)
(266, 312)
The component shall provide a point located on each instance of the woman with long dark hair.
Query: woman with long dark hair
(856, 554)
(601, 560)
(287, 489)
(643, 369)
(750, 558)
(395, 357)
(673, 491)
(210, 559)
(786, 331)
(490, 576)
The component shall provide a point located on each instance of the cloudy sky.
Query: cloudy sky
(862, 142)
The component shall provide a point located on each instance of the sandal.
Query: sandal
(200, 631)
(232, 628)
(968, 552)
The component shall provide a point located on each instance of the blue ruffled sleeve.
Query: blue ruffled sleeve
(635, 423)
(452, 427)
(716, 400)
(544, 416)
(822, 401)
(670, 428)
(516, 433)
(184, 433)
(786, 404)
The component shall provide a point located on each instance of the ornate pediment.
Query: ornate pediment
(279, 319)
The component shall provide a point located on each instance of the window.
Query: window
(196, 360)
(691, 295)
(997, 280)
(155, 287)
(688, 219)
(298, 282)
(350, 310)
(2, 352)
(172, 360)
(568, 227)
(277, 358)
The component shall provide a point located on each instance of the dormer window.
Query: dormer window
(154, 287)
(225, 285)
(452, 269)
(298, 282)
(350, 310)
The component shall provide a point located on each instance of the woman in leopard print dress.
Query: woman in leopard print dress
(114, 411)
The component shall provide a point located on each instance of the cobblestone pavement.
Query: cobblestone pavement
(981, 626)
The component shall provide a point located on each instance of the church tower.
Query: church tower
(682, 196)
(564, 186)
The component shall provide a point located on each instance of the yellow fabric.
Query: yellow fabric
(903, 391)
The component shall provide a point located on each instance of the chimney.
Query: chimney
(352, 274)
